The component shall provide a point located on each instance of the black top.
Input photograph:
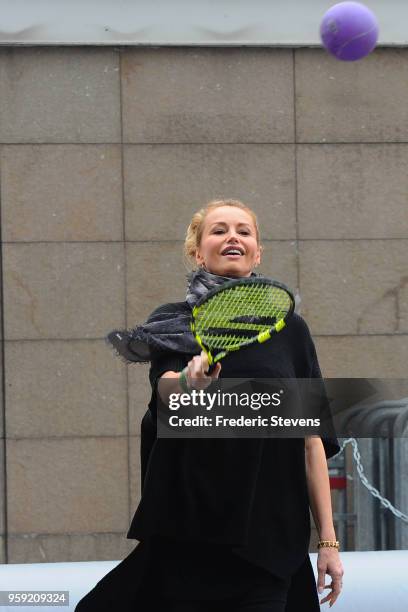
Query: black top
(201, 571)
(246, 495)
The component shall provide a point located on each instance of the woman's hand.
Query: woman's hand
(328, 562)
(196, 372)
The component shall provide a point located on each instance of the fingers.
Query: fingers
(331, 597)
(329, 563)
(205, 366)
(335, 587)
(197, 372)
(216, 372)
(204, 362)
(321, 573)
(198, 366)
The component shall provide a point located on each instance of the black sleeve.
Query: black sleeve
(164, 362)
(161, 362)
(331, 443)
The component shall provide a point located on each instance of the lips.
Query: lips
(233, 250)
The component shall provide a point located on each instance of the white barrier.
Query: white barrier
(373, 581)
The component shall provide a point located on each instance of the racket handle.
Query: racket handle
(211, 368)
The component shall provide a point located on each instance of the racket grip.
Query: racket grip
(211, 368)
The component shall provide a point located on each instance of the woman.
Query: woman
(223, 523)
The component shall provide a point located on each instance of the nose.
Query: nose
(232, 236)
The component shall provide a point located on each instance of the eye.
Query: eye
(218, 231)
(245, 232)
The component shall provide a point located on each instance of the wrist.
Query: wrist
(328, 544)
(327, 533)
(183, 382)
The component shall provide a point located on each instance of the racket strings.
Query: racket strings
(221, 322)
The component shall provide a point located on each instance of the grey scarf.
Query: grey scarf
(165, 331)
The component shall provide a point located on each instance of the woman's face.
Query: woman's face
(228, 243)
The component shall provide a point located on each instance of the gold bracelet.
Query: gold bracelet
(328, 544)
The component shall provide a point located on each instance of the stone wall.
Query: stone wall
(105, 153)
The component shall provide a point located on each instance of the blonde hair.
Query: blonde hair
(196, 227)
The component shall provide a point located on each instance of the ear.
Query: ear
(258, 255)
(199, 258)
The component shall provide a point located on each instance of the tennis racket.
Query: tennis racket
(240, 313)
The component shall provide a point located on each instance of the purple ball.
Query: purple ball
(349, 31)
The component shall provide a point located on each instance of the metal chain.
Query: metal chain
(375, 492)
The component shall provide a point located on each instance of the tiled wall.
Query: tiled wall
(104, 155)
